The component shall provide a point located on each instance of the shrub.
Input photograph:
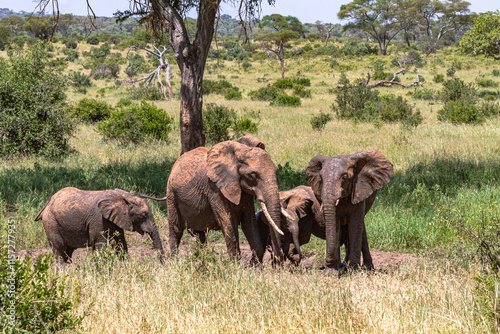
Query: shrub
(301, 91)
(380, 75)
(71, 55)
(318, 122)
(351, 101)
(71, 44)
(424, 94)
(233, 94)
(135, 123)
(93, 40)
(483, 82)
(244, 125)
(268, 93)
(217, 87)
(489, 109)
(283, 99)
(456, 89)
(489, 94)
(246, 65)
(41, 302)
(217, 122)
(30, 124)
(283, 83)
(460, 111)
(80, 80)
(396, 109)
(106, 70)
(135, 64)
(100, 52)
(354, 48)
(496, 72)
(90, 110)
(450, 71)
(438, 78)
(146, 92)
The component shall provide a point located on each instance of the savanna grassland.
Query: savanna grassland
(446, 176)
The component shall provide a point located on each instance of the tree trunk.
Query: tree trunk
(281, 55)
(191, 119)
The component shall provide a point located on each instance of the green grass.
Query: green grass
(440, 171)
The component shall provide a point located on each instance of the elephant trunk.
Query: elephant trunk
(272, 206)
(294, 230)
(155, 237)
(332, 231)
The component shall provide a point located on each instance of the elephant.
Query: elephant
(215, 189)
(74, 218)
(346, 186)
(304, 218)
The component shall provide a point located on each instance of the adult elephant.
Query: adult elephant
(303, 217)
(346, 186)
(74, 218)
(215, 189)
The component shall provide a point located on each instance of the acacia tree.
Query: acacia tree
(283, 29)
(190, 54)
(484, 36)
(377, 18)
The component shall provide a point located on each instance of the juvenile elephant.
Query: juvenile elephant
(74, 218)
(346, 185)
(215, 189)
(304, 217)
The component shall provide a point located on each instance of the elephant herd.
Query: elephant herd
(215, 189)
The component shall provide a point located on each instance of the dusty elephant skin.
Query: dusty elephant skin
(303, 218)
(74, 218)
(215, 189)
(346, 186)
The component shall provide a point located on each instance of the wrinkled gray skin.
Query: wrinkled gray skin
(215, 189)
(346, 185)
(74, 218)
(301, 205)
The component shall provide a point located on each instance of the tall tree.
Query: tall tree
(14, 23)
(484, 36)
(38, 26)
(190, 54)
(65, 21)
(281, 29)
(377, 18)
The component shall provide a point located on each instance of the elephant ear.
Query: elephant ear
(115, 208)
(373, 171)
(251, 141)
(296, 200)
(313, 174)
(222, 169)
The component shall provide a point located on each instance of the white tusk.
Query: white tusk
(287, 215)
(321, 208)
(337, 203)
(268, 216)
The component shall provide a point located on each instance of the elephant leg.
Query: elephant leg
(121, 243)
(176, 225)
(229, 226)
(355, 230)
(201, 236)
(251, 231)
(367, 257)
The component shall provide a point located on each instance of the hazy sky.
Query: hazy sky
(307, 11)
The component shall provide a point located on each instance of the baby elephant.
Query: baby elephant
(75, 218)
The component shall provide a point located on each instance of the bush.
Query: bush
(233, 94)
(284, 83)
(217, 122)
(496, 72)
(283, 99)
(483, 82)
(351, 101)
(246, 66)
(489, 109)
(268, 93)
(80, 80)
(354, 48)
(106, 70)
(93, 40)
(438, 78)
(71, 44)
(489, 94)
(456, 89)
(244, 125)
(135, 123)
(450, 71)
(71, 55)
(40, 299)
(301, 91)
(424, 94)
(30, 124)
(460, 111)
(396, 109)
(90, 110)
(318, 122)
(221, 87)
(146, 92)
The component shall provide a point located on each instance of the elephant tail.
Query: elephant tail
(153, 198)
(39, 215)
